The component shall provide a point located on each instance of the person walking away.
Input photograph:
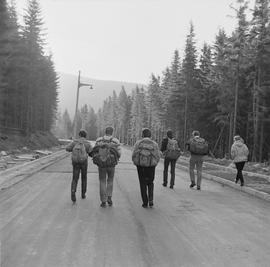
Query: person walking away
(198, 148)
(106, 154)
(171, 151)
(80, 149)
(146, 156)
(239, 153)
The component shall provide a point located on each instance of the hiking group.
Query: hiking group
(146, 155)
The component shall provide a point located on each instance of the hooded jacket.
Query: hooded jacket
(239, 151)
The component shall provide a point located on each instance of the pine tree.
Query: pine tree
(123, 115)
(175, 103)
(138, 113)
(260, 43)
(190, 80)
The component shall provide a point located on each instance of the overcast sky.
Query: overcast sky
(127, 40)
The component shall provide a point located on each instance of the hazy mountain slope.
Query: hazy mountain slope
(101, 90)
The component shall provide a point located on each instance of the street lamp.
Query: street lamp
(77, 100)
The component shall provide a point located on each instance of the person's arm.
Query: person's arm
(164, 145)
(179, 145)
(135, 148)
(70, 146)
(187, 145)
(157, 151)
(117, 146)
(89, 148)
(233, 152)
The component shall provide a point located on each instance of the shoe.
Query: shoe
(198, 188)
(110, 201)
(171, 186)
(83, 196)
(242, 183)
(192, 185)
(151, 203)
(144, 205)
(164, 184)
(73, 197)
(236, 181)
(103, 204)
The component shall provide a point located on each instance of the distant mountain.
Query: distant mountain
(95, 97)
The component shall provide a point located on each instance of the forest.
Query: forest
(28, 80)
(221, 90)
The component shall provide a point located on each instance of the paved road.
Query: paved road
(217, 226)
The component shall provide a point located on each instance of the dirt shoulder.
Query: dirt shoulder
(16, 150)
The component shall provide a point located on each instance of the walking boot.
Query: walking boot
(103, 204)
(73, 197)
(192, 185)
(109, 201)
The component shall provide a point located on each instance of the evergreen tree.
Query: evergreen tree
(175, 103)
(190, 81)
(123, 115)
(207, 95)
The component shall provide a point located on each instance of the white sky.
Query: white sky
(127, 40)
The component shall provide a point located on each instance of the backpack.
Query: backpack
(106, 155)
(198, 146)
(144, 156)
(172, 151)
(79, 154)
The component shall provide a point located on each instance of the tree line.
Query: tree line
(222, 90)
(28, 80)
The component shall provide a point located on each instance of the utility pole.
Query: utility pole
(77, 100)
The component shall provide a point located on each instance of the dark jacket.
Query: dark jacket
(187, 145)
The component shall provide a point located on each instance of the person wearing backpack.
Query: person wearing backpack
(239, 153)
(171, 150)
(198, 148)
(146, 156)
(106, 154)
(80, 149)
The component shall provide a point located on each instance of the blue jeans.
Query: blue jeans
(106, 176)
(196, 161)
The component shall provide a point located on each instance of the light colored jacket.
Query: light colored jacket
(239, 151)
(115, 142)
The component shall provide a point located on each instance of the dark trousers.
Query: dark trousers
(146, 178)
(167, 162)
(77, 169)
(240, 166)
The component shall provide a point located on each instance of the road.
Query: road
(217, 226)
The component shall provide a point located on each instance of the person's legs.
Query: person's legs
(165, 171)
(199, 164)
(84, 178)
(102, 184)
(142, 179)
(239, 176)
(150, 173)
(191, 171)
(109, 190)
(173, 163)
(75, 178)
